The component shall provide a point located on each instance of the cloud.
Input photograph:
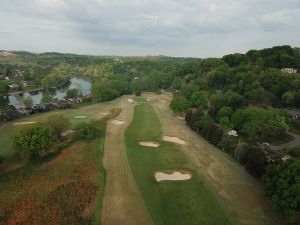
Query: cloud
(140, 27)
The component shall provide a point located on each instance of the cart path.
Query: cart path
(122, 203)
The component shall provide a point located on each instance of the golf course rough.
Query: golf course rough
(189, 202)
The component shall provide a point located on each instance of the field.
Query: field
(75, 186)
(181, 202)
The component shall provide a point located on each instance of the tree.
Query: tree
(256, 162)
(73, 93)
(28, 102)
(176, 85)
(46, 99)
(282, 188)
(179, 104)
(32, 141)
(58, 123)
(228, 143)
(225, 111)
(8, 112)
(208, 130)
(217, 136)
(199, 99)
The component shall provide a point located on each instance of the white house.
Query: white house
(233, 133)
(289, 70)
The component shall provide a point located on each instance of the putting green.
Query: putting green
(169, 202)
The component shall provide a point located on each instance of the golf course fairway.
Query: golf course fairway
(168, 202)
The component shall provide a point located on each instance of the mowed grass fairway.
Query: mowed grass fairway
(168, 202)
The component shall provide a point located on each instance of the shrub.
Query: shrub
(87, 131)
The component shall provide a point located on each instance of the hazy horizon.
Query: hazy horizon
(142, 27)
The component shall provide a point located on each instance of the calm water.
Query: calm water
(83, 85)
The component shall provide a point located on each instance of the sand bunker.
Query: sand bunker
(22, 123)
(181, 117)
(174, 140)
(149, 144)
(67, 132)
(130, 100)
(80, 117)
(175, 176)
(117, 122)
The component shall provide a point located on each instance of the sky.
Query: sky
(187, 28)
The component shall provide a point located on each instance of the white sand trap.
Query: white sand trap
(149, 144)
(174, 140)
(175, 176)
(181, 117)
(23, 123)
(117, 122)
(67, 132)
(130, 100)
(103, 114)
(80, 117)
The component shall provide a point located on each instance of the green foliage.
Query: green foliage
(28, 102)
(179, 104)
(176, 85)
(58, 77)
(225, 111)
(208, 130)
(199, 99)
(282, 188)
(3, 88)
(102, 93)
(32, 141)
(260, 124)
(217, 136)
(46, 99)
(58, 123)
(256, 162)
(73, 93)
(8, 112)
(87, 131)
(228, 143)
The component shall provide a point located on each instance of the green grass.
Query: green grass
(182, 202)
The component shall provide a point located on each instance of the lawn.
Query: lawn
(178, 202)
(91, 111)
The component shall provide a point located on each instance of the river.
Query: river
(59, 93)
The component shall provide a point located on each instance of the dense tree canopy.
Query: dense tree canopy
(282, 188)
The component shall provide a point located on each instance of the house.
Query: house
(233, 133)
(136, 78)
(289, 70)
(296, 116)
(13, 86)
(271, 155)
(286, 157)
(6, 78)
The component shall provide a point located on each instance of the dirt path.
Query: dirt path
(122, 203)
(242, 194)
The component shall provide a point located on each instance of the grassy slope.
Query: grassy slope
(187, 203)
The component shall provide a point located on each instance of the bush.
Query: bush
(58, 123)
(33, 140)
(87, 131)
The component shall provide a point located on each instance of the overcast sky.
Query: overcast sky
(201, 28)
